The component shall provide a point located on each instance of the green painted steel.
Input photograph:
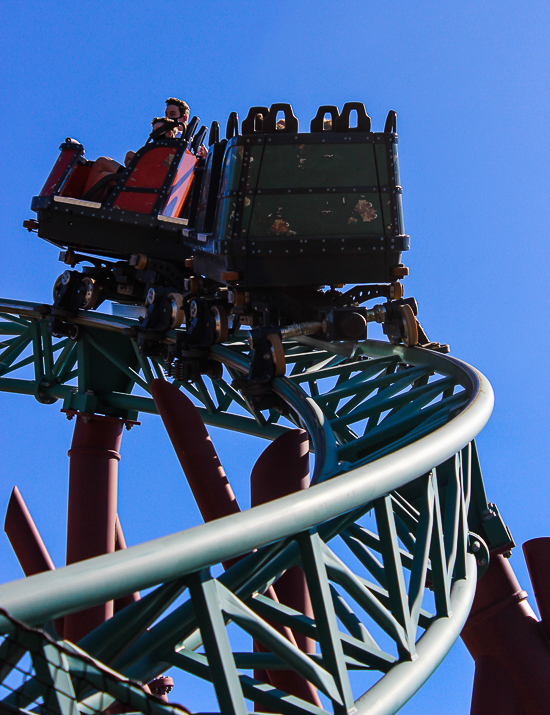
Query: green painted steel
(383, 534)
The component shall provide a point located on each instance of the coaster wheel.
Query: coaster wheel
(57, 287)
(408, 326)
(222, 328)
(177, 314)
(277, 354)
(91, 293)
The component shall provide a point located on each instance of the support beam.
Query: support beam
(27, 543)
(195, 451)
(537, 556)
(503, 635)
(120, 544)
(25, 537)
(92, 511)
(282, 469)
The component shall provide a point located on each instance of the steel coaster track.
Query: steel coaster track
(382, 534)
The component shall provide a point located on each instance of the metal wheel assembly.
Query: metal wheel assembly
(277, 353)
(91, 293)
(221, 329)
(177, 315)
(57, 287)
(408, 324)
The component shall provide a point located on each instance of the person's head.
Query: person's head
(177, 109)
(164, 127)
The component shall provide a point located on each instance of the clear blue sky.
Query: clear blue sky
(469, 81)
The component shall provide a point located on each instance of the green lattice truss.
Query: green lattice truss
(391, 536)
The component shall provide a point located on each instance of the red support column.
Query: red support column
(509, 646)
(211, 488)
(282, 469)
(27, 542)
(120, 544)
(25, 538)
(537, 556)
(92, 510)
(195, 451)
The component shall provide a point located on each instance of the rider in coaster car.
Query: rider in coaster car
(177, 109)
(175, 121)
(163, 127)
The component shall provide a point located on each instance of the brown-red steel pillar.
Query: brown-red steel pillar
(509, 646)
(25, 538)
(282, 469)
(537, 556)
(195, 451)
(120, 545)
(208, 481)
(92, 510)
(27, 542)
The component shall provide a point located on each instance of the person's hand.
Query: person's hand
(129, 156)
(202, 152)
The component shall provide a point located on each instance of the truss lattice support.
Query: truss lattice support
(382, 534)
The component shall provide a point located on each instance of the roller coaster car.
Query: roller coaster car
(127, 212)
(293, 209)
(262, 233)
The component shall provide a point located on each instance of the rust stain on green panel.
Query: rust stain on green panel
(317, 215)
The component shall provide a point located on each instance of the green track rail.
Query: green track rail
(391, 535)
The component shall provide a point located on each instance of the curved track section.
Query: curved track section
(382, 534)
